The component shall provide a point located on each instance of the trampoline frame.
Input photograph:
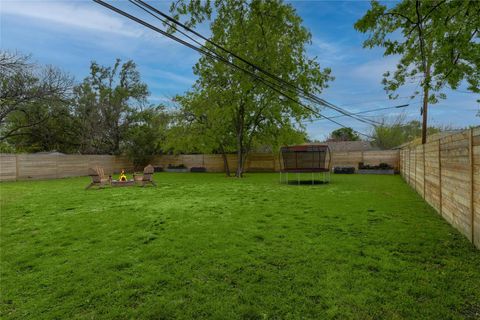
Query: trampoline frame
(314, 149)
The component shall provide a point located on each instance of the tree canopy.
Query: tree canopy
(30, 95)
(270, 34)
(343, 134)
(395, 132)
(107, 113)
(437, 42)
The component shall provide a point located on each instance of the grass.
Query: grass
(205, 246)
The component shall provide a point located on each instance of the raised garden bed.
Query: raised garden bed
(376, 171)
(382, 168)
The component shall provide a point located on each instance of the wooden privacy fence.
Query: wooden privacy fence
(446, 173)
(51, 166)
(267, 162)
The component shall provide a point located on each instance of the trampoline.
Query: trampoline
(314, 159)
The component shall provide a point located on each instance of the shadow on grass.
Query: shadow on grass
(305, 182)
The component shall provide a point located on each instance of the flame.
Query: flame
(123, 177)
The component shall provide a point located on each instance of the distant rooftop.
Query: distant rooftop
(348, 145)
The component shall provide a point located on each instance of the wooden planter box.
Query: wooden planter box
(376, 171)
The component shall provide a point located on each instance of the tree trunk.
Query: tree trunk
(425, 115)
(239, 172)
(425, 103)
(225, 164)
(426, 69)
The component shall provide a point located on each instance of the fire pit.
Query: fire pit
(123, 181)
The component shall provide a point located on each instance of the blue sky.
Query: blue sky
(70, 34)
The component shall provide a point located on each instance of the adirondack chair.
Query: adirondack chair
(98, 178)
(147, 176)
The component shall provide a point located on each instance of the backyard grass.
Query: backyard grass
(206, 246)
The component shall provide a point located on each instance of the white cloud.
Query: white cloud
(77, 14)
(373, 70)
(328, 52)
(171, 76)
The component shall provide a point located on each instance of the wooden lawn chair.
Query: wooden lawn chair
(98, 178)
(148, 176)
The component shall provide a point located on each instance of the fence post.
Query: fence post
(440, 175)
(424, 183)
(410, 166)
(415, 171)
(472, 213)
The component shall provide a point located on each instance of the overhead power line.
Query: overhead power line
(317, 100)
(363, 112)
(215, 56)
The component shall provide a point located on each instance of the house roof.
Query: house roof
(348, 145)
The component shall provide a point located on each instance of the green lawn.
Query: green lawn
(206, 246)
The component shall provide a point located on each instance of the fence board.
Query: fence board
(50, 166)
(8, 167)
(449, 171)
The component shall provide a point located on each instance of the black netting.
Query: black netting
(305, 158)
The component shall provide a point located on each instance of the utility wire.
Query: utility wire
(362, 112)
(215, 57)
(297, 89)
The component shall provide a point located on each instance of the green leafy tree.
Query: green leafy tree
(146, 135)
(343, 134)
(395, 132)
(270, 34)
(437, 42)
(103, 104)
(199, 126)
(54, 133)
(30, 95)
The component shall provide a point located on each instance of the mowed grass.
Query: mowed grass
(208, 247)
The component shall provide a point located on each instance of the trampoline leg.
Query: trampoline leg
(312, 179)
(298, 180)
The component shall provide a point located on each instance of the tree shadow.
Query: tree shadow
(305, 182)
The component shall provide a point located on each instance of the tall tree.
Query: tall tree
(395, 132)
(29, 94)
(437, 41)
(146, 135)
(103, 104)
(343, 134)
(270, 34)
(200, 126)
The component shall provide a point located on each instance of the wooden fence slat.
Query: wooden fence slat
(49, 166)
(449, 168)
